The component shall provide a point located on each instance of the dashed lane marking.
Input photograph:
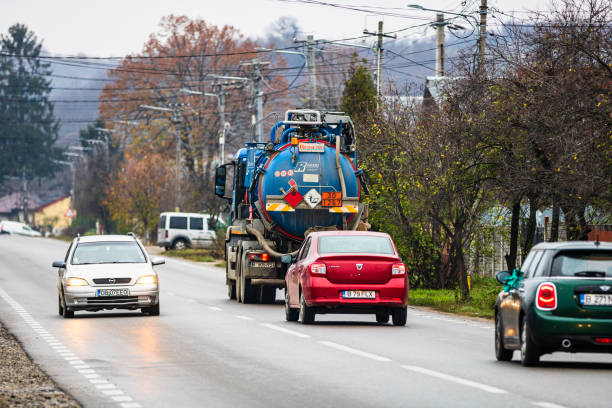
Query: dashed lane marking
(243, 317)
(108, 389)
(454, 379)
(545, 404)
(286, 331)
(215, 308)
(354, 351)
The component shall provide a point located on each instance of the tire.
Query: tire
(501, 353)
(530, 354)
(231, 289)
(268, 295)
(307, 313)
(60, 310)
(291, 314)
(151, 311)
(68, 314)
(399, 316)
(382, 318)
(247, 292)
(179, 244)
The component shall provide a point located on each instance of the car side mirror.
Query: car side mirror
(286, 259)
(59, 264)
(502, 276)
(157, 261)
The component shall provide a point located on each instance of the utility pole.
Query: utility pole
(482, 40)
(257, 77)
(312, 70)
(380, 36)
(440, 52)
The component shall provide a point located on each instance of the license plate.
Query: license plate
(263, 264)
(592, 299)
(359, 294)
(113, 292)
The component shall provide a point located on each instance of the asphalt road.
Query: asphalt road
(205, 350)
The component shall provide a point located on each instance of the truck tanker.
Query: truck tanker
(305, 178)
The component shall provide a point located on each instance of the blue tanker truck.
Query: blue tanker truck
(305, 178)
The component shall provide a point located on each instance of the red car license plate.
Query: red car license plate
(359, 294)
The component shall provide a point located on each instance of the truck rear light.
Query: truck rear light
(546, 296)
(265, 257)
(603, 340)
(398, 270)
(166, 234)
(317, 269)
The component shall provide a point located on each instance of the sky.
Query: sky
(118, 27)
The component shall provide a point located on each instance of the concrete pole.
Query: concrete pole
(258, 100)
(379, 60)
(312, 70)
(177, 120)
(482, 41)
(221, 100)
(440, 52)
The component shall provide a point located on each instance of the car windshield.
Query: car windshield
(583, 263)
(368, 244)
(107, 252)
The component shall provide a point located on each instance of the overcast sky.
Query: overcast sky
(119, 27)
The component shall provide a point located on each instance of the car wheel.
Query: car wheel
(530, 354)
(399, 316)
(60, 309)
(68, 314)
(501, 353)
(382, 317)
(291, 314)
(307, 314)
(179, 244)
(268, 295)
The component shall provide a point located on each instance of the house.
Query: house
(12, 206)
(50, 215)
(54, 216)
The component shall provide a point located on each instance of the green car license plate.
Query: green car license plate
(594, 299)
(113, 292)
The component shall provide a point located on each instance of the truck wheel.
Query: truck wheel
(179, 244)
(307, 314)
(247, 292)
(268, 295)
(231, 289)
(291, 314)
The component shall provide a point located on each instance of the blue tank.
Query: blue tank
(310, 170)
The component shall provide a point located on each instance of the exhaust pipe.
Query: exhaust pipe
(566, 343)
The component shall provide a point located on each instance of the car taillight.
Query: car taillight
(603, 340)
(265, 257)
(546, 296)
(317, 269)
(398, 270)
(166, 234)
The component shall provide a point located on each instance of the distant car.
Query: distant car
(185, 230)
(17, 228)
(107, 272)
(347, 272)
(563, 302)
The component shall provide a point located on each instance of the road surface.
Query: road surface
(205, 350)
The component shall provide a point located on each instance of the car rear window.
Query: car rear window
(107, 252)
(585, 263)
(178, 222)
(162, 222)
(355, 243)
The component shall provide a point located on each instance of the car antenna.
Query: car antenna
(597, 240)
(78, 237)
(131, 234)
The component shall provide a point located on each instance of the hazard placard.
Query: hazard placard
(331, 199)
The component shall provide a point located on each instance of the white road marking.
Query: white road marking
(286, 331)
(545, 404)
(244, 317)
(215, 308)
(191, 300)
(354, 351)
(74, 361)
(454, 379)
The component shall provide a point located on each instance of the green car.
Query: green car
(560, 300)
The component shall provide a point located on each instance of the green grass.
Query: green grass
(197, 255)
(481, 304)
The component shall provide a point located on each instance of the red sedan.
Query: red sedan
(347, 272)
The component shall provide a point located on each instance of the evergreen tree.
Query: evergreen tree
(28, 128)
(359, 95)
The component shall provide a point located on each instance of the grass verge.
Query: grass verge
(481, 304)
(197, 255)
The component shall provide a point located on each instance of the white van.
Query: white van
(17, 228)
(180, 230)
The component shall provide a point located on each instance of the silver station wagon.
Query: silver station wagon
(107, 272)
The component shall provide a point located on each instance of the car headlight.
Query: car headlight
(76, 282)
(147, 279)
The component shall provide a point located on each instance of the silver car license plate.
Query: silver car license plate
(113, 292)
(593, 299)
(359, 294)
